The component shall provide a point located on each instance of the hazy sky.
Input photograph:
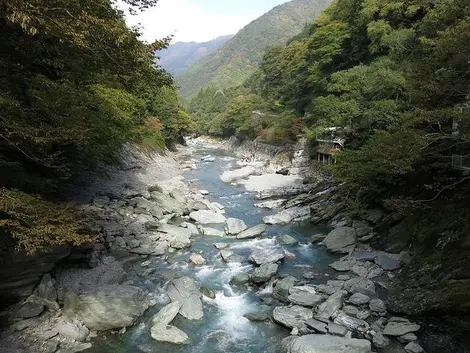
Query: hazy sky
(199, 20)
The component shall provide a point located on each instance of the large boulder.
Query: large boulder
(161, 331)
(360, 285)
(304, 295)
(288, 215)
(331, 305)
(281, 291)
(252, 232)
(169, 334)
(294, 316)
(185, 290)
(264, 272)
(265, 256)
(207, 217)
(341, 240)
(105, 307)
(234, 226)
(324, 344)
(399, 327)
(47, 288)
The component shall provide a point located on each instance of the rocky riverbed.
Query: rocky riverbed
(212, 253)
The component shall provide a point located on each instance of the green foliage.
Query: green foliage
(235, 61)
(395, 76)
(37, 224)
(75, 84)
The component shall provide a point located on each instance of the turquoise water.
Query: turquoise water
(223, 328)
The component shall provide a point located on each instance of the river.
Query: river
(223, 328)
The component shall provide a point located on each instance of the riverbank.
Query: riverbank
(241, 277)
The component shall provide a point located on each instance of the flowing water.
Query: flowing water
(223, 328)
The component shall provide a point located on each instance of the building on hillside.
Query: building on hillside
(329, 144)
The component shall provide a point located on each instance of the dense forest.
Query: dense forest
(75, 84)
(237, 59)
(394, 75)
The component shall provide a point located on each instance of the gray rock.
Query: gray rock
(169, 334)
(400, 327)
(291, 317)
(197, 259)
(363, 255)
(21, 325)
(271, 204)
(360, 285)
(351, 310)
(337, 330)
(265, 256)
(367, 270)
(72, 330)
(234, 226)
(240, 279)
(30, 309)
(221, 246)
(166, 203)
(207, 217)
(343, 265)
(179, 196)
(281, 291)
(414, 347)
(166, 315)
(288, 215)
(341, 240)
(343, 278)
(77, 348)
(379, 340)
(199, 206)
(377, 305)
(184, 289)
(359, 299)
(215, 231)
(252, 232)
(155, 249)
(351, 323)
(257, 317)
(388, 262)
(317, 325)
(264, 272)
(316, 238)
(207, 292)
(331, 305)
(363, 315)
(47, 288)
(105, 307)
(409, 337)
(286, 240)
(228, 255)
(305, 296)
(324, 344)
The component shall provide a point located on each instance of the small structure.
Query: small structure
(329, 144)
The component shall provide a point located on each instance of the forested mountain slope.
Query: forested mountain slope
(231, 64)
(395, 76)
(180, 55)
(75, 85)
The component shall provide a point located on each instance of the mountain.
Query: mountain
(237, 59)
(179, 56)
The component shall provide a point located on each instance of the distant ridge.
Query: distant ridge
(237, 59)
(179, 56)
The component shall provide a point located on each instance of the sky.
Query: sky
(199, 20)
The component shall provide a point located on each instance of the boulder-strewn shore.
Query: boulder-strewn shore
(160, 215)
